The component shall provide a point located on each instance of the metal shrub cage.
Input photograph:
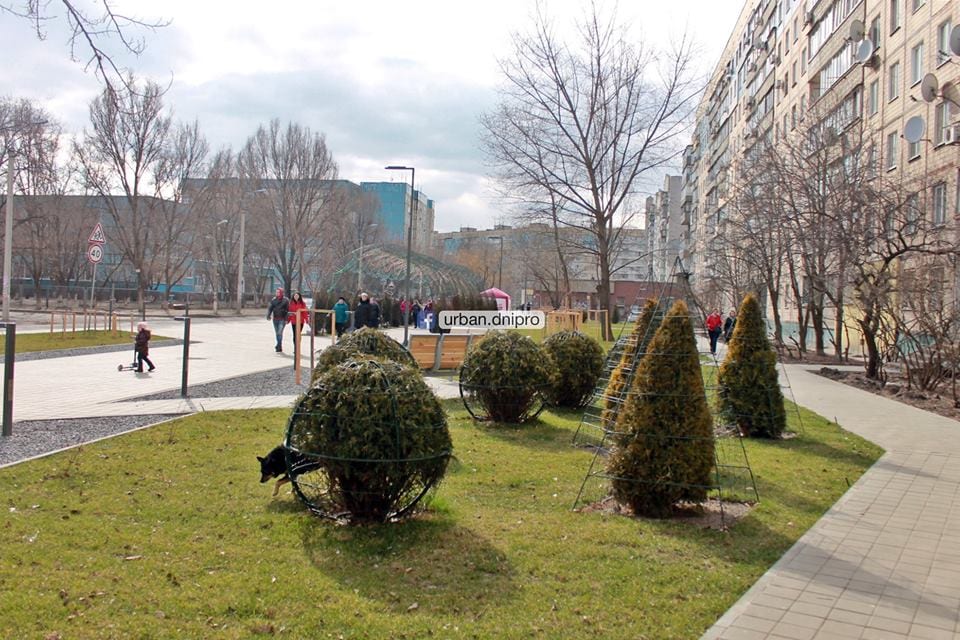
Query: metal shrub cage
(367, 442)
(504, 378)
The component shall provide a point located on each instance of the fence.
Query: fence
(89, 320)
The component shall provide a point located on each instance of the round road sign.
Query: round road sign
(95, 253)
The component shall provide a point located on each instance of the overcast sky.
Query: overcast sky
(386, 82)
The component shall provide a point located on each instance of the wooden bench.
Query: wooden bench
(440, 352)
(424, 350)
(453, 349)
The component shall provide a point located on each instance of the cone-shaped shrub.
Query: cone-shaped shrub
(506, 373)
(575, 362)
(633, 351)
(663, 450)
(376, 436)
(749, 385)
(366, 341)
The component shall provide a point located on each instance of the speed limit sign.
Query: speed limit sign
(94, 253)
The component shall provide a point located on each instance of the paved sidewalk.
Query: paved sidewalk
(90, 385)
(884, 561)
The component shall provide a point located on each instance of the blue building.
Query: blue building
(395, 202)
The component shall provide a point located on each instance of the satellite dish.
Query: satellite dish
(955, 40)
(865, 51)
(928, 87)
(857, 30)
(914, 129)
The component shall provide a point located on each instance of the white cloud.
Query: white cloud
(386, 82)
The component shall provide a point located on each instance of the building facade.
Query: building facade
(395, 208)
(836, 64)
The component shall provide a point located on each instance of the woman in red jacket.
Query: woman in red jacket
(714, 329)
(297, 307)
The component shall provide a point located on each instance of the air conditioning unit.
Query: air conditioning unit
(776, 59)
(752, 67)
(780, 85)
(809, 18)
(750, 102)
(952, 134)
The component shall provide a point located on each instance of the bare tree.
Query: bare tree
(136, 152)
(91, 32)
(294, 166)
(579, 126)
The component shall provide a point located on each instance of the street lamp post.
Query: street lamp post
(243, 219)
(8, 237)
(500, 268)
(413, 211)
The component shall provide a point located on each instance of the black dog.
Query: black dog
(274, 465)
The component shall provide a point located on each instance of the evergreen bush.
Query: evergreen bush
(575, 362)
(365, 341)
(378, 436)
(506, 374)
(663, 448)
(633, 351)
(749, 384)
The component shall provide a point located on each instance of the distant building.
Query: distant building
(395, 207)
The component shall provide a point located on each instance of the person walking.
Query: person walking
(278, 312)
(297, 308)
(415, 313)
(375, 312)
(341, 314)
(714, 328)
(361, 315)
(728, 325)
(141, 347)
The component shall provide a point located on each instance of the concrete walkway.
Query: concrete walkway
(884, 561)
(90, 385)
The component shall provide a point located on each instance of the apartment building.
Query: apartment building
(841, 62)
(665, 229)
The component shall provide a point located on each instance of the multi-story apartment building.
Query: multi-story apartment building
(839, 62)
(665, 228)
(395, 208)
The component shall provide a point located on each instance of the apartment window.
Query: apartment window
(874, 33)
(940, 203)
(894, 15)
(786, 83)
(793, 117)
(874, 97)
(917, 4)
(893, 88)
(916, 64)
(803, 106)
(786, 41)
(943, 42)
(913, 150)
(911, 213)
(941, 119)
(892, 150)
(793, 72)
(796, 29)
(803, 61)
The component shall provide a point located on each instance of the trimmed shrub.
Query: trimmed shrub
(633, 351)
(749, 384)
(664, 448)
(377, 439)
(503, 378)
(576, 362)
(365, 341)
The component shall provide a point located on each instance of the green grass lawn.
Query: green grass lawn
(166, 533)
(27, 342)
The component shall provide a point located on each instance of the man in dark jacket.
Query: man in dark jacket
(278, 311)
(374, 321)
(361, 315)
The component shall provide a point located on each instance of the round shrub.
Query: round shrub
(366, 341)
(576, 363)
(373, 439)
(749, 384)
(664, 445)
(503, 378)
